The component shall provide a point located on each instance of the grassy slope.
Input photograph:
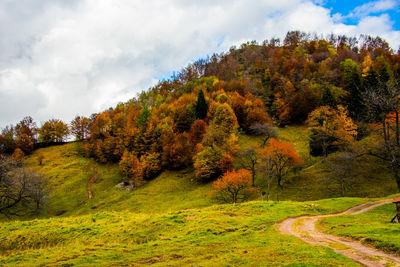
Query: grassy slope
(309, 183)
(177, 190)
(172, 190)
(372, 227)
(221, 235)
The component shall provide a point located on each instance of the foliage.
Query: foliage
(232, 186)
(211, 162)
(18, 155)
(130, 169)
(80, 127)
(53, 131)
(283, 158)
(332, 127)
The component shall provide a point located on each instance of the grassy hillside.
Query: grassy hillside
(222, 235)
(373, 228)
(177, 190)
(65, 168)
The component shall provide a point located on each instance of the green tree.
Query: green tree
(201, 106)
(352, 84)
(144, 116)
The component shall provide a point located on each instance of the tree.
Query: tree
(144, 116)
(332, 127)
(18, 155)
(201, 106)
(129, 167)
(352, 84)
(211, 162)
(26, 127)
(53, 131)
(197, 131)
(266, 167)
(40, 158)
(343, 168)
(79, 127)
(150, 164)
(248, 160)
(265, 130)
(283, 158)
(24, 143)
(20, 188)
(232, 186)
(7, 140)
(383, 102)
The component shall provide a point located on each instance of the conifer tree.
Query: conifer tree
(201, 106)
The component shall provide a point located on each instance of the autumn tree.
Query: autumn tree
(79, 127)
(129, 167)
(331, 127)
(233, 186)
(7, 140)
(283, 158)
(53, 131)
(150, 164)
(211, 162)
(197, 131)
(18, 155)
(40, 158)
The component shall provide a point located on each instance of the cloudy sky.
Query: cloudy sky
(60, 58)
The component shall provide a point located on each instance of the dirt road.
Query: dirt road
(304, 227)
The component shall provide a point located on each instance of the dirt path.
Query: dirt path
(304, 227)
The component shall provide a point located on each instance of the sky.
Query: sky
(62, 58)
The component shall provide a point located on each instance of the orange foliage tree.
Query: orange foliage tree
(233, 186)
(332, 126)
(129, 167)
(282, 156)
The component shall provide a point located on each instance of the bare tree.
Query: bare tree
(20, 188)
(266, 168)
(342, 167)
(248, 160)
(383, 102)
(265, 130)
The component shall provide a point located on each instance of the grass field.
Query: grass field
(221, 235)
(171, 220)
(177, 190)
(65, 169)
(373, 228)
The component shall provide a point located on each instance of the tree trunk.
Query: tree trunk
(397, 177)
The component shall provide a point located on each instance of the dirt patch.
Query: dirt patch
(304, 227)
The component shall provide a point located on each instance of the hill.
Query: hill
(65, 169)
(242, 234)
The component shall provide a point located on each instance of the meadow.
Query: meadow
(372, 228)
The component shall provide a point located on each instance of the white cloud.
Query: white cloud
(62, 58)
(373, 7)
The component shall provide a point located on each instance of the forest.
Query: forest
(344, 89)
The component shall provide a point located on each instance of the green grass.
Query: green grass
(177, 190)
(373, 228)
(222, 235)
(65, 169)
(309, 183)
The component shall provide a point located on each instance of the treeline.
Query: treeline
(193, 119)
